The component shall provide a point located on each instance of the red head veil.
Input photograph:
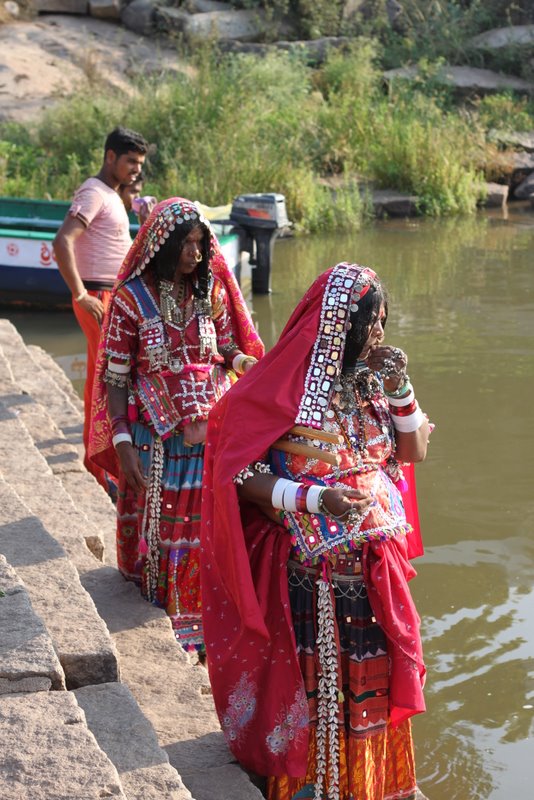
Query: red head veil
(164, 218)
(256, 680)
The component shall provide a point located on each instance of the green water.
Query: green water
(462, 306)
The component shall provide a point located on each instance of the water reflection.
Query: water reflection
(462, 302)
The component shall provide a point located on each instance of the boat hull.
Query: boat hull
(29, 274)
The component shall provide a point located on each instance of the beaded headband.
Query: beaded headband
(161, 223)
(346, 285)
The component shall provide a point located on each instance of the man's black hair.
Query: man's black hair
(123, 140)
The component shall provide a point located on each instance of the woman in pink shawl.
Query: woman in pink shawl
(176, 335)
(312, 636)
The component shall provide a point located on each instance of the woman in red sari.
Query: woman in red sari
(176, 334)
(311, 633)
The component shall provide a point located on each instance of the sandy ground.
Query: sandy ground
(47, 58)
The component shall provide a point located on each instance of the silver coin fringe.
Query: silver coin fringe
(151, 516)
(327, 707)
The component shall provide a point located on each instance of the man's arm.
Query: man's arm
(71, 229)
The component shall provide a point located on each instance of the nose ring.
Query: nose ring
(198, 258)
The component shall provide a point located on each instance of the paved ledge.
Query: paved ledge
(81, 639)
(129, 741)
(28, 662)
(48, 753)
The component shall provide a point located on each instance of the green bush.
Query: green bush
(236, 123)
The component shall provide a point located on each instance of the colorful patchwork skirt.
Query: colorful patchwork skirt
(178, 577)
(375, 761)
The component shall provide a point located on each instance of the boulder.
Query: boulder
(466, 80)
(245, 25)
(139, 16)
(389, 203)
(202, 6)
(514, 36)
(496, 195)
(60, 6)
(105, 9)
(522, 140)
(525, 189)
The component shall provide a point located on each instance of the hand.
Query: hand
(247, 365)
(391, 362)
(131, 466)
(341, 501)
(195, 433)
(94, 306)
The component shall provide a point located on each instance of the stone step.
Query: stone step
(81, 639)
(47, 752)
(28, 661)
(60, 454)
(129, 741)
(172, 693)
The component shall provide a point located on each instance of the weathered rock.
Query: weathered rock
(388, 203)
(314, 50)
(229, 779)
(48, 752)
(28, 662)
(200, 6)
(525, 189)
(497, 195)
(60, 6)
(105, 9)
(466, 80)
(519, 139)
(170, 19)
(129, 741)
(514, 36)
(244, 24)
(350, 7)
(139, 16)
(81, 639)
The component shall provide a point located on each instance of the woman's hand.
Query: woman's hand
(341, 501)
(195, 433)
(391, 362)
(131, 466)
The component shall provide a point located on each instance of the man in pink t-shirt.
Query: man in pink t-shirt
(91, 245)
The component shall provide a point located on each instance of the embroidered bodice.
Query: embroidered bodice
(175, 378)
(367, 464)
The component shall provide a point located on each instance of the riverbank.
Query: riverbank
(223, 123)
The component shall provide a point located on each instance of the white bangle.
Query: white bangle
(290, 496)
(312, 498)
(402, 401)
(81, 296)
(237, 362)
(278, 492)
(120, 369)
(409, 424)
(121, 437)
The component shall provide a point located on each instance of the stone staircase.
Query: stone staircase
(79, 647)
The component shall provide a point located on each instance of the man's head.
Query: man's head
(127, 191)
(124, 155)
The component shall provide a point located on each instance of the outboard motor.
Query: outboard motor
(260, 218)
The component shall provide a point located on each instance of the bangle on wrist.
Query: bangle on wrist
(121, 437)
(400, 390)
(408, 424)
(81, 296)
(277, 495)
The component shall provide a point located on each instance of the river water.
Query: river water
(462, 307)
